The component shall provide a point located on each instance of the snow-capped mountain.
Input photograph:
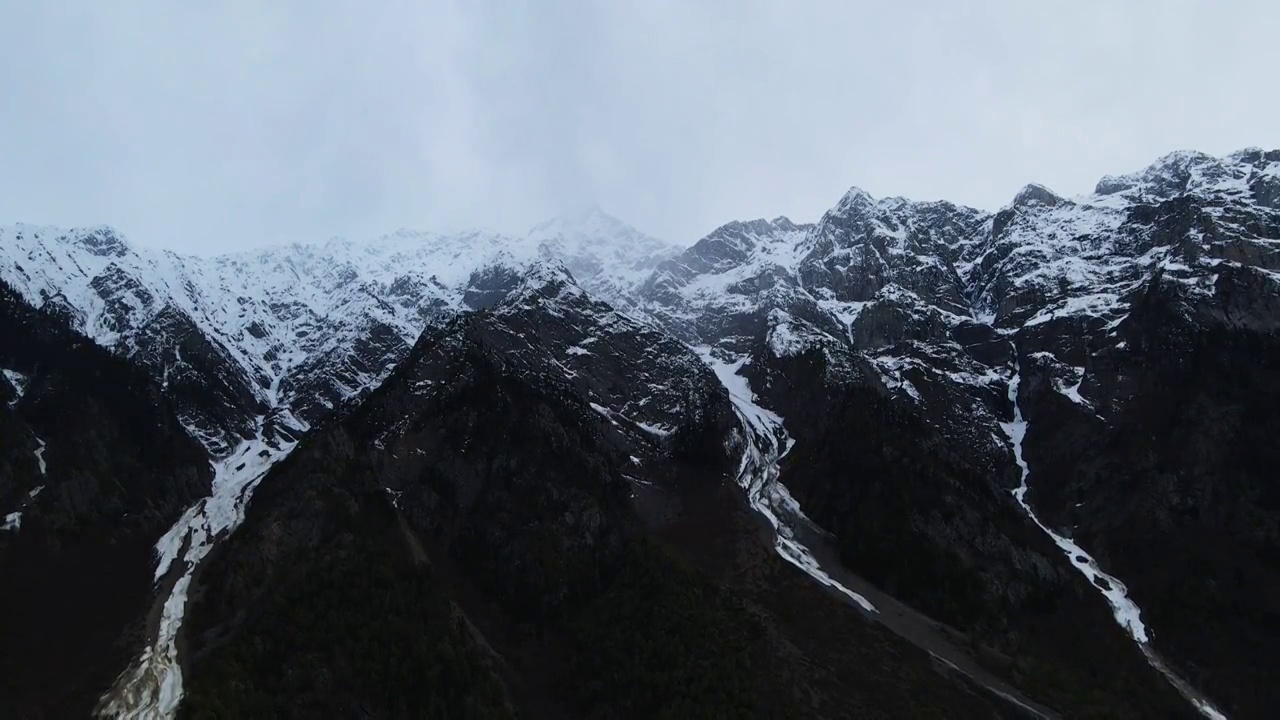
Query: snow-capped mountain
(1093, 305)
(918, 269)
(720, 286)
(1100, 307)
(607, 257)
(299, 327)
(1032, 445)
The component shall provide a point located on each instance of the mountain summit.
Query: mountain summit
(608, 256)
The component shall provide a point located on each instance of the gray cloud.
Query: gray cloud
(206, 128)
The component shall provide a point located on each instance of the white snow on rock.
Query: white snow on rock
(13, 520)
(606, 412)
(765, 443)
(783, 342)
(891, 369)
(1126, 612)
(1072, 391)
(607, 257)
(152, 686)
(659, 431)
(39, 452)
(19, 383)
(288, 313)
(788, 336)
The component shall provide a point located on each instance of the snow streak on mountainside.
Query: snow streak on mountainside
(1127, 613)
(13, 520)
(18, 382)
(152, 686)
(764, 443)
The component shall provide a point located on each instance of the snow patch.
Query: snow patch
(1072, 392)
(766, 443)
(395, 496)
(655, 430)
(890, 368)
(13, 521)
(784, 342)
(1100, 305)
(606, 412)
(39, 453)
(19, 382)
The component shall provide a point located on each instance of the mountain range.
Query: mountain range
(912, 460)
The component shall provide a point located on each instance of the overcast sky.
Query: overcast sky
(207, 126)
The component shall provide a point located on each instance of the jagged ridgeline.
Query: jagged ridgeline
(911, 460)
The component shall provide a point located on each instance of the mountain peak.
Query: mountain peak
(606, 255)
(759, 228)
(101, 240)
(1254, 155)
(514, 282)
(584, 219)
(591, 209)
(1036, 194)
(856, 197)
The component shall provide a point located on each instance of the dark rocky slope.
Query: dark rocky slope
(916, 510)
(111, 469)
(1177, 489)
(568, 565)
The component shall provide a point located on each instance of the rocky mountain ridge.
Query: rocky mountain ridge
(300, 327)
(1025, 424)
